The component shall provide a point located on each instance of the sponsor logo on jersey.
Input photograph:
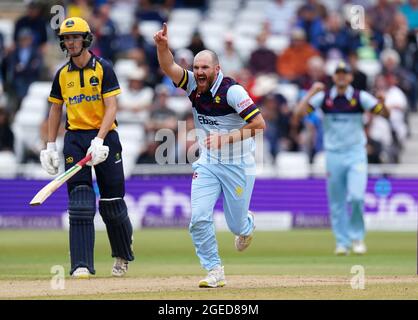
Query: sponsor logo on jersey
(204, 120)
(245, 103)
(82, 97)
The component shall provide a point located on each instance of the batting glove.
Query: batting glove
(98, 151)
(49, 158)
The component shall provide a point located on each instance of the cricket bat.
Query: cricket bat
(46, 191)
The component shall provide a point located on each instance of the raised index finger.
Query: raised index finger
(164, 29)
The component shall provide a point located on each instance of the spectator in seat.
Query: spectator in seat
(33, 21)
(407, 80)
(230, 59)
(146, 11)
(262, 59)
(335, 36)
(359, 77)
(368, 42)
(104, 30)
(161, 116)
(292, 63)
(315, 72)
(381, 15)
(196, 44)
(24, 65)
(309, 20)
(410, 10)
(280, 16)
(136, 101)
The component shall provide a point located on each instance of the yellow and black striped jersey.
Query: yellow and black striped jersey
(83, 91)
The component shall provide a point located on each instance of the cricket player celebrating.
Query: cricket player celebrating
(88, 86)
(345, 149)
(224, 116)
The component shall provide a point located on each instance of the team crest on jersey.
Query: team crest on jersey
(329, 103)
(217, 99)
(239, 191)
(70, 84)
(69, 160)
(353, 102)
(94, 81)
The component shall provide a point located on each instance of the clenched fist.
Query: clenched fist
(317, 87)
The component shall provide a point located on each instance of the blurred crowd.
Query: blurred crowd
(317, 37)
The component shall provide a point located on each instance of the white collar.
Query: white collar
(348, 92)
(217, 83)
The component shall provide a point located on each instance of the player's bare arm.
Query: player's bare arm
(109, 116)
(165, 57)
(302, 108)
(214, 141)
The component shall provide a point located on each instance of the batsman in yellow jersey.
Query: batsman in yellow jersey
(88, 86)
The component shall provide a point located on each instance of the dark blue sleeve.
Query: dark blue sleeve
(56, 88)
(110, 81)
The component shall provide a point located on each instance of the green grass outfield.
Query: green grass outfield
(278, 265)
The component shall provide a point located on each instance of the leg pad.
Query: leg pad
(82, 208)
(118, 226)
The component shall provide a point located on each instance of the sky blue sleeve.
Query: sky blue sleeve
(367, 101)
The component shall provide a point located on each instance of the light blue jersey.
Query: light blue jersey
(343, 117)
(225, 108)
(346, 159)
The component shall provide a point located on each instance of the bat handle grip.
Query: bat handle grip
(83, 161)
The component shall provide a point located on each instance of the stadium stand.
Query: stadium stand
(242, 21)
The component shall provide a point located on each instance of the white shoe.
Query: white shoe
(120, 267)
(81, 273)
(359, 247)
(341, 251)
(243, 242)
(214, 279)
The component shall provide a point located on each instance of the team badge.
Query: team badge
(94, 81)
(69, 23)
(217, 99)
(353, 102)
(329, 103)
(239, 191)
(118, 158)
